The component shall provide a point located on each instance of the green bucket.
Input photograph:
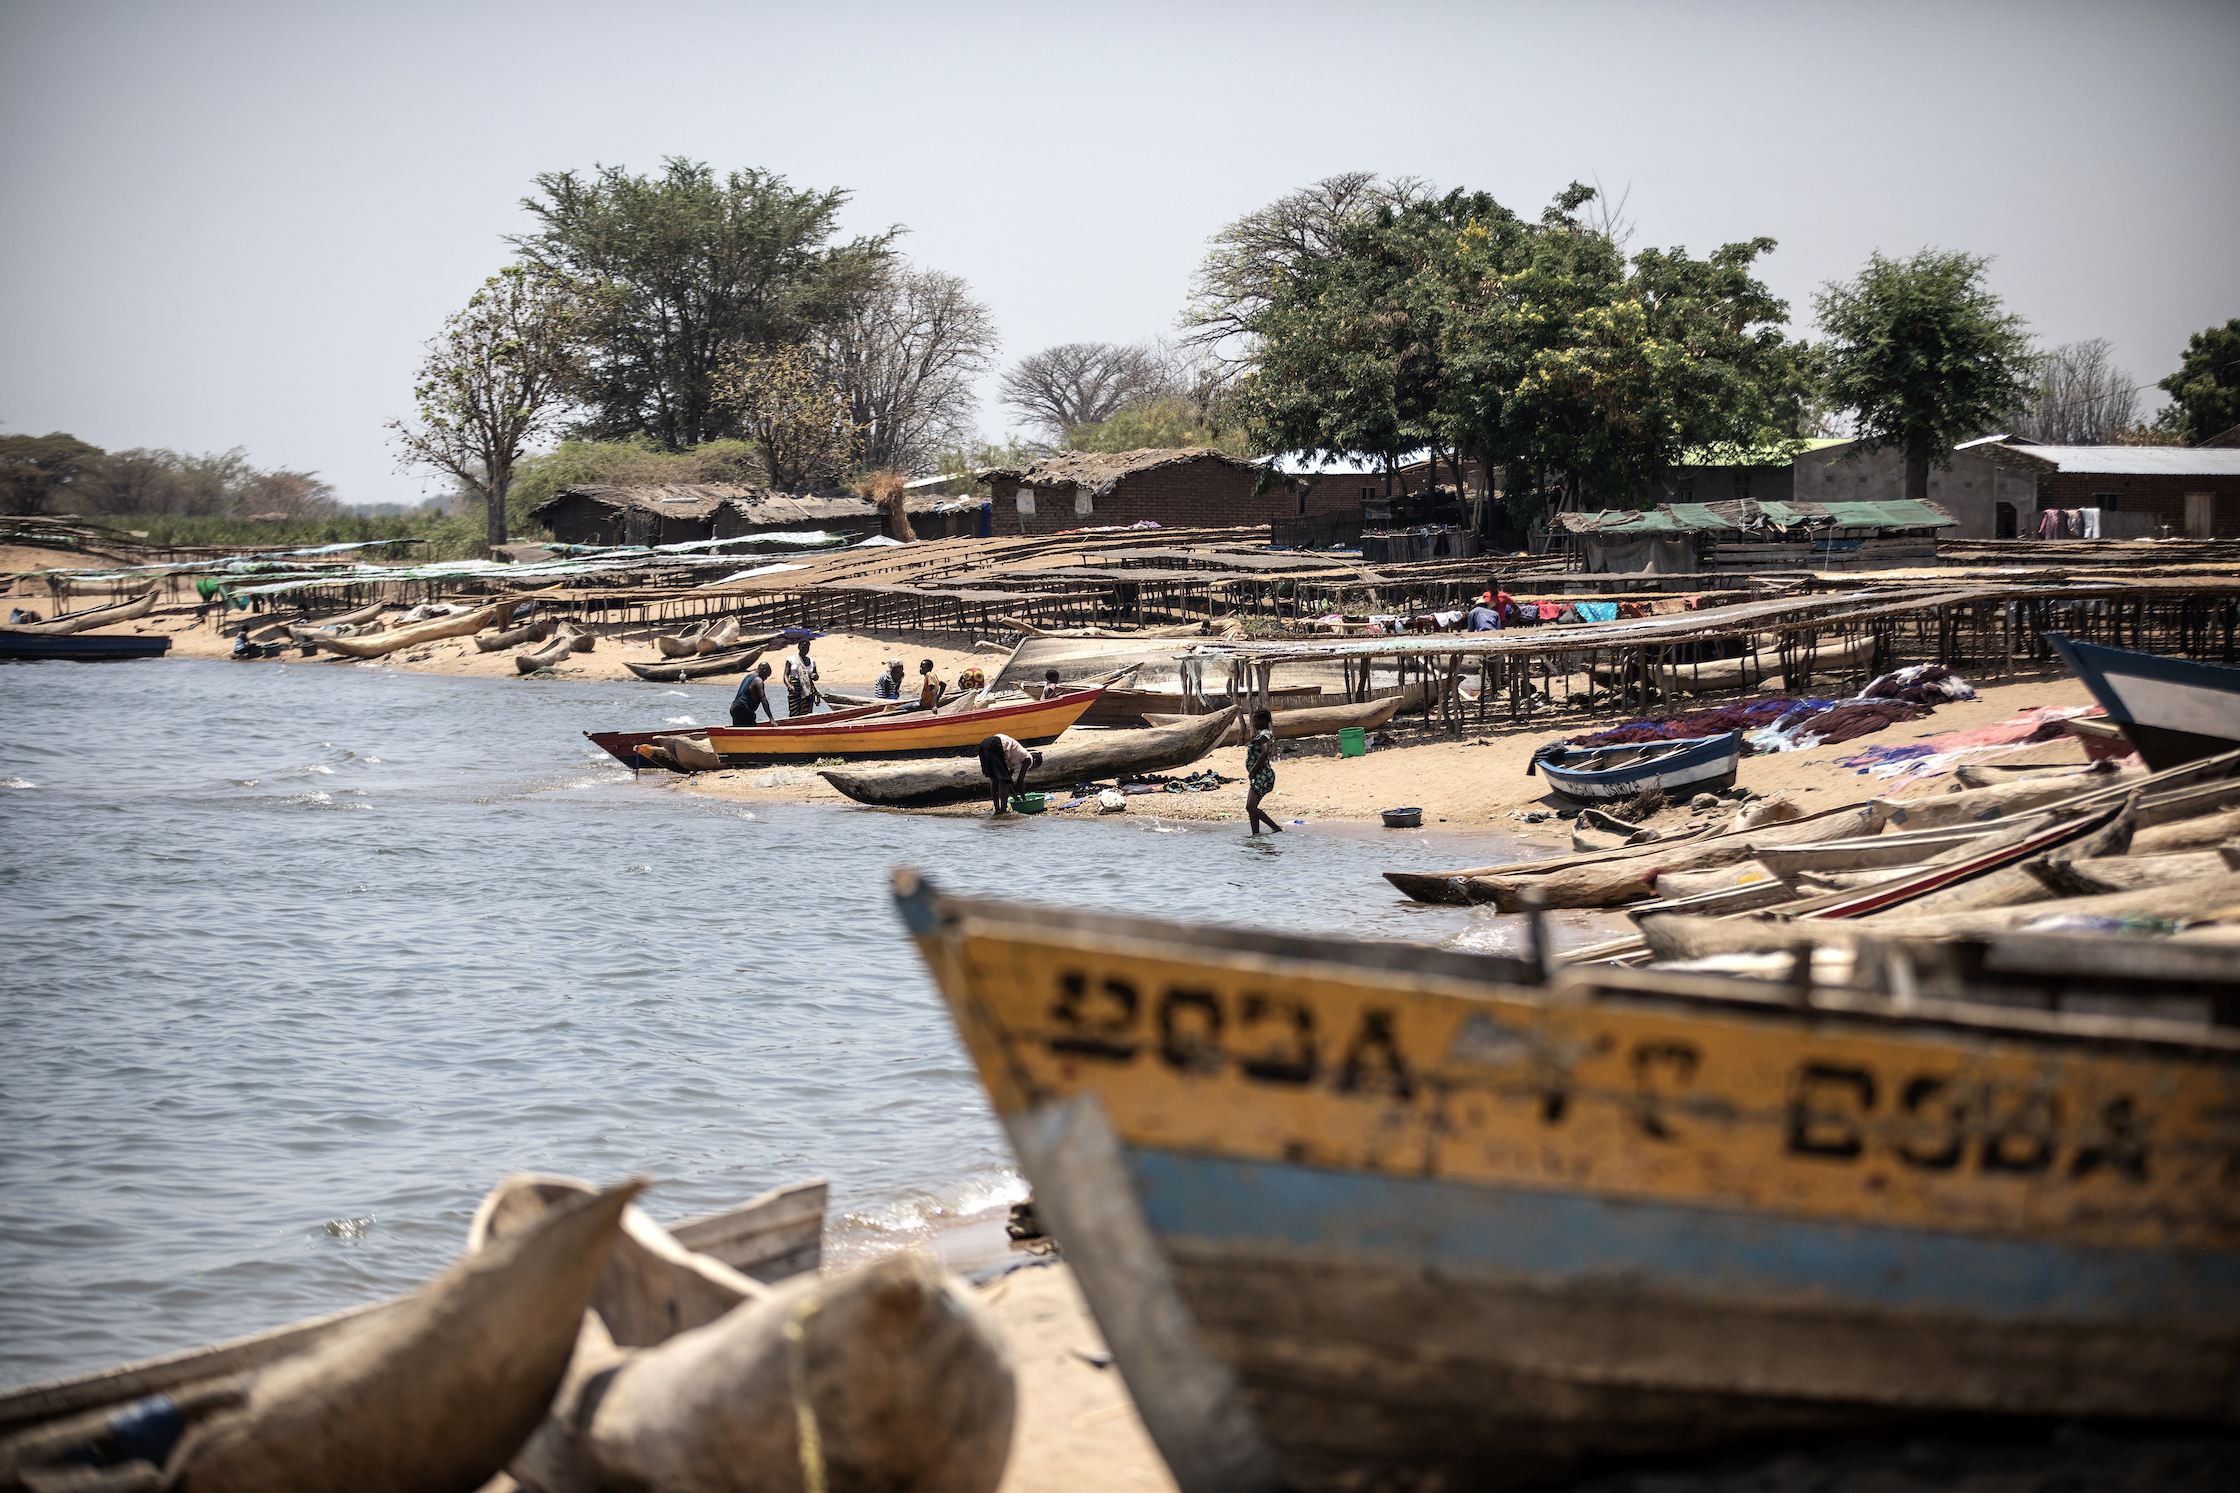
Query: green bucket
(1028, 803)
(1353, 742)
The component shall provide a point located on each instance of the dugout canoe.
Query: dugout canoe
(80, 647)
(1112, 754)
(1355, 1214)
(870, 733)
(100, 616)
(2172, 709)
(702, 666)
(1612, 773)
(769, 1238)
(1290, 725)
(1130, 707)
(456, 626)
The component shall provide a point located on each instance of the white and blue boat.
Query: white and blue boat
(1358, 1215)
(1605, 774)
(2173, 710)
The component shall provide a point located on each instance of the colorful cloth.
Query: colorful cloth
(1260, 761)
(1597, 611)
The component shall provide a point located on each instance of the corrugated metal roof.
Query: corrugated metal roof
(2138, 461)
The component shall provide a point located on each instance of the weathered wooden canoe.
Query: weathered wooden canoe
(769, 1238)
(456, 626)
(1606, 774)
(81, 647)
(545, 655)
(1736, 673)
(1106, 755)
(1130, 707)
(511, 637)
(1371, 1215)
(2172, 709)
(1870, 852)
(708, 666)
(100, 616)
(1290, 725)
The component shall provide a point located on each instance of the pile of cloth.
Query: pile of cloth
(1747, 716)
(1940, 754)
(1922, 684)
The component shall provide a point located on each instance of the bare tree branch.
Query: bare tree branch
(1080, 383)
(906, 350)
(2083, 398)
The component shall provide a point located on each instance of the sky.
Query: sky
(235, 224)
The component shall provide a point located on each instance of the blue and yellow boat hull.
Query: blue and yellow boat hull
(1441, 1225)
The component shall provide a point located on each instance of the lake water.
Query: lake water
(301, 959)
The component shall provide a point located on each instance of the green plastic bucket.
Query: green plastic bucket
(1353, 742)
(1028, 803)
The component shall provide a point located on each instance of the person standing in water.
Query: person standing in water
(802, 693)
(1260, 772)
(753, 697)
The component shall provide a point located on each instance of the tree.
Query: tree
(2206, 387)
(1166, 422)
(492, 384)
(286, 495)
(794, 412)
(906, 349)
(1250, 256)
(1080, 383)
(1459, 326)
(1924, 356)
(2083, 398)
(686, 269)
(35, 469)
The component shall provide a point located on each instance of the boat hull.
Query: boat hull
(2173, 710)
(1708, 760)
(1107, 754)
(80, 647)
(1444, 1228)
(875, 736)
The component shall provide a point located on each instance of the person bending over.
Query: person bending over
(1260, 772)
(753, 697)
(1005, 764)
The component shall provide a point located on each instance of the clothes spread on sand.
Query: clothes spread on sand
(1747, 716)
(1923, 684)
(1940, 754)
(1856, 718)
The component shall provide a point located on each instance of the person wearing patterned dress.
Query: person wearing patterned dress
(1260, 772)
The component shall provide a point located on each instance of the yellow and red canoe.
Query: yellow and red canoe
(872, 736)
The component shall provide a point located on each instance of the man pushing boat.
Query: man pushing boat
(753, 698)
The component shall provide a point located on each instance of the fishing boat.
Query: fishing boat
(1602, 774)
(701, 666)
(1131, 707)
(635, 747)
(100, 616)
(1107, 754)
(1356, 1214)
(1291, 725)
(874, 734)
(458, 625)
(771, 1237)
(17, 646)
(2172, 709)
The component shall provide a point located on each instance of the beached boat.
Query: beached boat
(1291, 725)
(2172, 709)
(100, 616)
(1088, 758)
(84, 647)
(701, 666)
(1358, 1215)
(458, 625)
(643, 748)
(770, 1238)
(869, 733)
(1131, 707)
(1604, 774)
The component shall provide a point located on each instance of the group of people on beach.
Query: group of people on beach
(803, 695)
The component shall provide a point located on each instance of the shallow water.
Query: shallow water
(302, 958)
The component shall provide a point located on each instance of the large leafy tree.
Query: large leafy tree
(1539, 346)
(2206, 386)
(493, 383)
(35, 469)
(687, 268)
(1924, 356)
(794, 413)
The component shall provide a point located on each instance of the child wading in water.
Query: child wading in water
(1260, 772)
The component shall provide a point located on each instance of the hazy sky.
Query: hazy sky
(235, 224)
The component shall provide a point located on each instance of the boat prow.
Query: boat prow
(2173, 710)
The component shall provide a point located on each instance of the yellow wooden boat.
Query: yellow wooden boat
(1374, 1215)
(871, 735)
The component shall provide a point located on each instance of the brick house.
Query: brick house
(1987, 500)
(1187, 487)
(2193, 491)
(599, 515)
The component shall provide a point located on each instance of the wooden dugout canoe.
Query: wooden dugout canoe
(1359, 1214)
(100, 616)
(1131, 707)
(1290, 725)
(769, 1238)
(456, 626)
(702, 666)
(1104, 755)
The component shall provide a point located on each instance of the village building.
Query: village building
(601, 516)
(2134, 492)
(1986, 501)
(1186, 487)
